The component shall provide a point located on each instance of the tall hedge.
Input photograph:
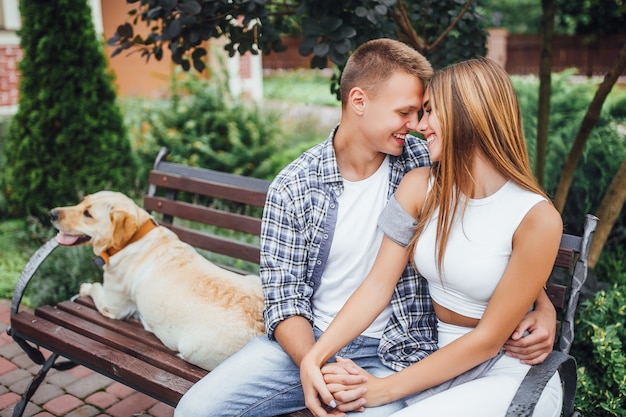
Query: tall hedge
(68, 137)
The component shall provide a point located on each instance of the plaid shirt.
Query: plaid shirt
(296, 235)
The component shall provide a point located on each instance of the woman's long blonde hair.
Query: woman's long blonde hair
(477, 109)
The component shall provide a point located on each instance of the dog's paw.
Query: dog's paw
(85, 289)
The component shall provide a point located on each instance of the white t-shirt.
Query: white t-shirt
(354, 248)
(478, 250)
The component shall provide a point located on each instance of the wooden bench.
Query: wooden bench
(197, 204)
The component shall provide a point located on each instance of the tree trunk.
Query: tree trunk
(608, 213)
(590, 120)
(548, 8)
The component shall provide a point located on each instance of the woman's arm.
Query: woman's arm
(367, 302)
(535, 246)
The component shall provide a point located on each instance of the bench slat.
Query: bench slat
(217, 244)
(229, 192)
(557, 294)
(85, 308)
(206, 215)
(565, 258)
(134, 372)
(116, 341)
(239, 181)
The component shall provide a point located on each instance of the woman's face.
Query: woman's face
(429, 127)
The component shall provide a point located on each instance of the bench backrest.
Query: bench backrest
(169, 180)
(213, 211)
(569, 275)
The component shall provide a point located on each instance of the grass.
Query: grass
(16, 246)
(308, 87)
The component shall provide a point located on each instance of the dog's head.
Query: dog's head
(106, 220)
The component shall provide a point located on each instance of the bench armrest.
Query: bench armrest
(527, 395)
(27, 274)
(29, 271)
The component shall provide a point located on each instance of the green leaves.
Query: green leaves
(330, 29)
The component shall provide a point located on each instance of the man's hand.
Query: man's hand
(344, 379)
(533, 339)
(317, 398)
(346, 389)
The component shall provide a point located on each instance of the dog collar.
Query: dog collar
(104, 256)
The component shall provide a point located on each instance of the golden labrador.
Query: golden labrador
(204, 312)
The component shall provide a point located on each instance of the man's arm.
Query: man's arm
(295, 336)
(539, 326)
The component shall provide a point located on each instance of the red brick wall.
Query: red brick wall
(9, 56)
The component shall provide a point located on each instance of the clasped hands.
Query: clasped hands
(337, 387)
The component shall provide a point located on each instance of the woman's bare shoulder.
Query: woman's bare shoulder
(412, 190)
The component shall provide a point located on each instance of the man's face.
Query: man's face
(393, 112)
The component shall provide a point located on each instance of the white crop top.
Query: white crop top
(478, 250)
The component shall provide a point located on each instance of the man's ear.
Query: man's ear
(356, 100)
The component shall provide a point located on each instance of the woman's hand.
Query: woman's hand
(314, 388)
(344, 379)
(352, 387)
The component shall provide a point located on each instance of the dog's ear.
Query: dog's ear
(124, 227)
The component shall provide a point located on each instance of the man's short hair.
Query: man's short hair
(373, 63)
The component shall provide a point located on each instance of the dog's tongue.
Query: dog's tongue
(66, 240)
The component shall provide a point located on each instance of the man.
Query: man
(319, 239)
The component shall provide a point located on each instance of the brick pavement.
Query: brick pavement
(78, 392)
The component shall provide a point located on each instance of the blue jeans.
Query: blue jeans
(261, 380)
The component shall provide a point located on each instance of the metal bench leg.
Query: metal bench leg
(18, 411)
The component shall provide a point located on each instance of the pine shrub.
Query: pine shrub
(68, 137)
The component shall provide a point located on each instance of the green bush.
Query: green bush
(68, 137)
(599, 348)
(603, 153)
(202, 125)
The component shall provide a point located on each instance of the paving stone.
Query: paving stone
(20, 386)
(102, 399)
(5, 339)
(161, 410)
(10, 398)
(119, 390)
(6, 366)
(61, 378)
(24, 362)
(84, 411)
(86, 386)
(46, 392)
(132, 405)
(10, 351)
(14, 376)
(80, 371)
(62, 405)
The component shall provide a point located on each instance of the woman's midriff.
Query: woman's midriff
(450, 317)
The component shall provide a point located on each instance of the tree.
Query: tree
(68, 137)
(445, 31)
(608, 212)
(545, 77)
(613, 198)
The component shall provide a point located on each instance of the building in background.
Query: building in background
(134, 77)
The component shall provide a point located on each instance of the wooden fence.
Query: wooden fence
(590, 57)
(519, 53)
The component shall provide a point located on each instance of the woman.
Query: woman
(486, 238)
